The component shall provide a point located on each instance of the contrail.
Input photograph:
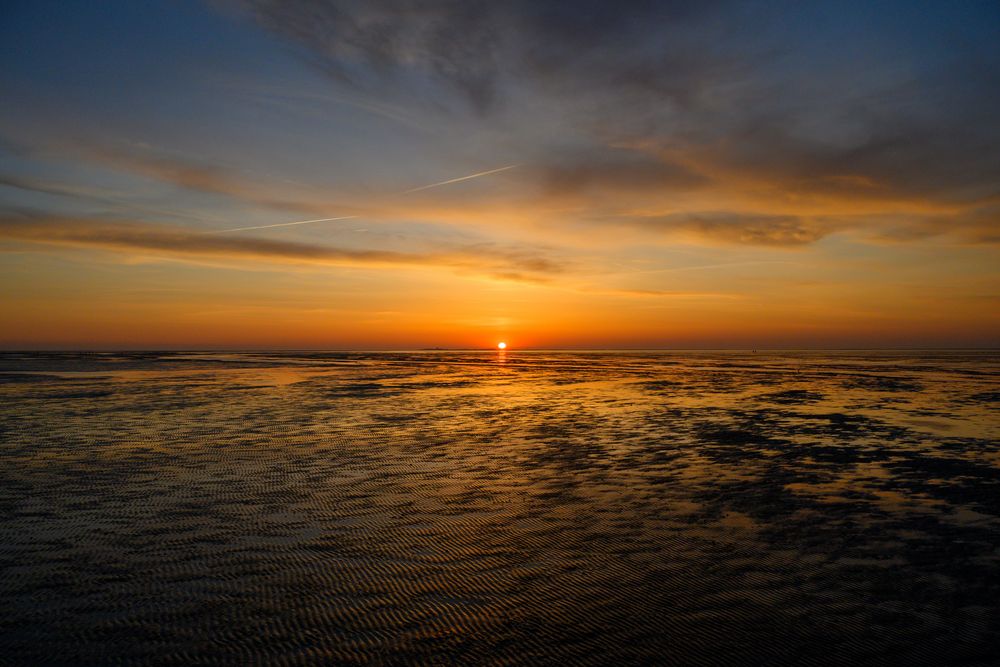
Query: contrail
(280, 224)
(462, 178)
(349, 217)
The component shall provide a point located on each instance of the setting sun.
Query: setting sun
(252, 253)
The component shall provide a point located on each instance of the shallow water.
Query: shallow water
(488, 508)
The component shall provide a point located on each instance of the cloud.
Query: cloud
(691, 95)
(203, 177)
(977, 226)
(58, 189)
(181, 243)
(474, 47)
(740, 228)
(616, 170)
(164, 167)
(83, 193)
(649, 115)
(664, 294)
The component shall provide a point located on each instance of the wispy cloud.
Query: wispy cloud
(198, 176)
(761, 115)
(105, 197)
(183, 243)
(658, 293)
(58, 189)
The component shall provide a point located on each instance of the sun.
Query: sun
(501, 345)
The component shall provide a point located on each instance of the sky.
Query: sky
(389, 174)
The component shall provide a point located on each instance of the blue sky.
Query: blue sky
(693, 171)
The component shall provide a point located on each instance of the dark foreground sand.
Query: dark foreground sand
(687, 508)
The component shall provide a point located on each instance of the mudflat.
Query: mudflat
(500, 508)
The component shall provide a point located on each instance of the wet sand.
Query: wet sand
(487, 508)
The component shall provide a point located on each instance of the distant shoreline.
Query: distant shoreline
(759, 350)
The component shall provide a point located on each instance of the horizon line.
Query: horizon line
(151, 350)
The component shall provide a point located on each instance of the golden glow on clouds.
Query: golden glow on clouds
(697, 188)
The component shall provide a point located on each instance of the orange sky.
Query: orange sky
(637, 191)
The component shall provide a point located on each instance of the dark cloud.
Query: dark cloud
(776, 230)
(615, 170)
(361, 43)
(477, 47)
(740, 228)
(978, 226)
(748, 90)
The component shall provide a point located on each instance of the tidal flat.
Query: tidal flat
(496, 508)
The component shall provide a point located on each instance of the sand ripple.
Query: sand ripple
(442, 508)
